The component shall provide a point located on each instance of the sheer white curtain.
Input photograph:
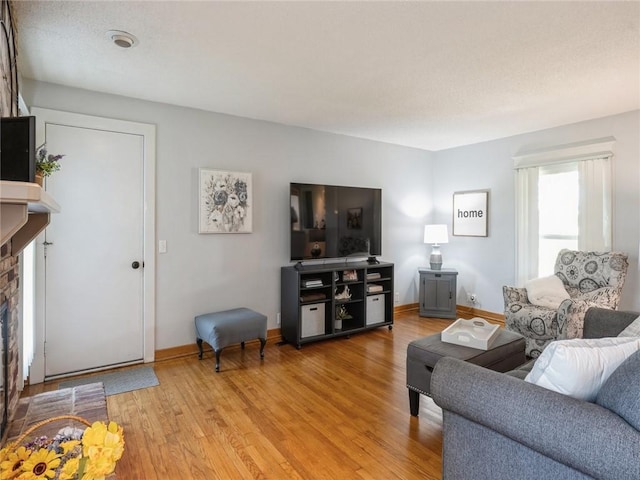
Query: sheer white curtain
(526, 224)
(595, 205)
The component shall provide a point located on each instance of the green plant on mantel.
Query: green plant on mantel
(46, 164)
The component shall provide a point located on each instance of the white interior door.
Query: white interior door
(94, 298)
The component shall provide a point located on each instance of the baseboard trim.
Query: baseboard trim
(409, 307)
(274, 335)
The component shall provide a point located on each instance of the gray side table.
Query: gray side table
(437, 295)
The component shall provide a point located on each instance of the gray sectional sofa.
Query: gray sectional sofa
(497, 426)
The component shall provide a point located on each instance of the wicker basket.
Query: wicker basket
(18, 441)
(15, 444)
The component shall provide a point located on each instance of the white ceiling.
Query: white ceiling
(430, 75)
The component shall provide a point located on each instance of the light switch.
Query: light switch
(162, 246)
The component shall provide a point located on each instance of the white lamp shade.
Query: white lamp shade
(436, 234)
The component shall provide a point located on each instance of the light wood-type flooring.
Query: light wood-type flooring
(336, 409)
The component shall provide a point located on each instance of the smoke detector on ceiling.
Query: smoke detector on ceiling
(122, 39)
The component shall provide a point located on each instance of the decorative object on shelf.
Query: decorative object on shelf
(312, 282)
(470, 213)
(344, 295)
(435, 235)
(225, 202)
(46, 163)
(349, 276)
(72, 454)
(312, 297)
(341, 314)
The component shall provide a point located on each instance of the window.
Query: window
(563, 200)
(558, 199)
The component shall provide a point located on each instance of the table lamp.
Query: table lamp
(435, 234)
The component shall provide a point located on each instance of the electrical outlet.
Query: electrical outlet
(473, 298)
(278, 319)
(397, 297)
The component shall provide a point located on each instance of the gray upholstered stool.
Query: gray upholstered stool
(221, 329)
(506, 353)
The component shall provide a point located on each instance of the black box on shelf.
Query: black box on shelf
(18, 149)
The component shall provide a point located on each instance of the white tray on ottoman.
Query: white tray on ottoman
(474, 333)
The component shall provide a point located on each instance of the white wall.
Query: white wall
(486, 264)
(203, 273)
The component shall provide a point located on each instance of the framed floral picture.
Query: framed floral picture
(225, 202)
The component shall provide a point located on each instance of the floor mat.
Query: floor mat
(120, 381)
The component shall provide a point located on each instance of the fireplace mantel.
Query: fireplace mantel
(25, 211)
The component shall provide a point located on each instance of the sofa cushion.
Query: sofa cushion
(633, 330)
(579, 367)
(621, 392)
(546, 291)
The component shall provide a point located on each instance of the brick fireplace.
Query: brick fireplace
(9, 268)
(9, 293)
(4, 320)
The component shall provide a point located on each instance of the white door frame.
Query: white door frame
(148, 132)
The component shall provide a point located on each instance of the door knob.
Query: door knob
(135, 265)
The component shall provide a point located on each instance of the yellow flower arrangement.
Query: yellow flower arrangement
(73, 454)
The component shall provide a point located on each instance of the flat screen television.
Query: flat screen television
(18, 149)
(330, 221)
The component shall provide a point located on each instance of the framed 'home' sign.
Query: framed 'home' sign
(471, 213)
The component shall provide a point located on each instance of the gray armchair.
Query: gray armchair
(592, 279)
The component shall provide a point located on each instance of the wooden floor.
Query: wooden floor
(336, 409)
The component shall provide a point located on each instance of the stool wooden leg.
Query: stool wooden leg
(199, 342)
(414, 402)
(218, 352)
(263, 342)
(242, 345)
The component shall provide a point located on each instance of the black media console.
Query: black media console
(332, 300)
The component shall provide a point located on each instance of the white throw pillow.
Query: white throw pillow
(633, 330)
(546, 291)
(579, 367)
